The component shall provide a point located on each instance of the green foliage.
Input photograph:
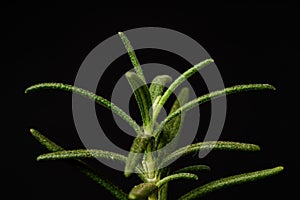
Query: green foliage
(193, 168)
(98, 99)
(230, 181)
(81, 166)
(153, 168)
(142, 96)
(157, 85)
(176, 176)
(219, 93)
(171, 129)
(202, 146)
(177, 82)
(82, 153)
(135, 62)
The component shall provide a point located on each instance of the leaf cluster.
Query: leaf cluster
(147, 157)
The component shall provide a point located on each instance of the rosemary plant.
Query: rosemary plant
(152, 136)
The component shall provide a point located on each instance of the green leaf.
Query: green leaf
(135, 62)
(192, 168)
(82, 153)
(212, 145)
(175, 177)
(137, 149)
(157, 85)
(229, 181)
(178, 81)
(82, 166)
(172, 128)
(142, 96)
(204, 98)
(142, 191)
(51, 146)
(98, 99)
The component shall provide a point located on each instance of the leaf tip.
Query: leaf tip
(131, 196)
(210, 60)
(33, 131)
(38, 158)
(130, 74)
(127, 174)
(256, 147)
(267, 86)
(27, 90)
(272, 87)
(279, 168)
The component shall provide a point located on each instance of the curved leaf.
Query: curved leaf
(82, 166)
(82, 153)
(135, 62)
(142, 96)
(202, 146)
(51, 146)
(204, 98)
(192, 168)
(172, 128)
(178, 81)
(98, 99)
(229, 181)
(175, 177)
(157, 85)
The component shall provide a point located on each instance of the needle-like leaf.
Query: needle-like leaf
(192, 168)
(204, 98)
(142, 96)
(212, 145)
(229, 181)
(82, 166)
(135, 62)
(98, 99)
(175, 177)
(82, 153)
(157, 85)
(172, 128)
(51, 146)
(177, 82)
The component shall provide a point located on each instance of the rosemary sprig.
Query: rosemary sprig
(154, 168)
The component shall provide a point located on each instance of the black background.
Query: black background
(250, 44)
